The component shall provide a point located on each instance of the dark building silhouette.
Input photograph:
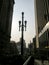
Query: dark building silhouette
(6, 12)
(34, 42)
(19, 46)
(31, 47)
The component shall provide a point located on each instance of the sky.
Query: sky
(26, 6)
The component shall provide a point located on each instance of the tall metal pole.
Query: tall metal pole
(22, 34)
(22, 29)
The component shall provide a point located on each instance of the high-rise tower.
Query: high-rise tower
(6, 12)
(41, 14)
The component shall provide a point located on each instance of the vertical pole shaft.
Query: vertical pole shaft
(22, 34)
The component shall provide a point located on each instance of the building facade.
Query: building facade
(6, 12)
(41, 19)
(31, 48)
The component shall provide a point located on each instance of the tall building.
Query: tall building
(41, 19)
(31, 47)
(19, 46)
(6, 12)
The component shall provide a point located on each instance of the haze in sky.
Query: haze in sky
(26, 6)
